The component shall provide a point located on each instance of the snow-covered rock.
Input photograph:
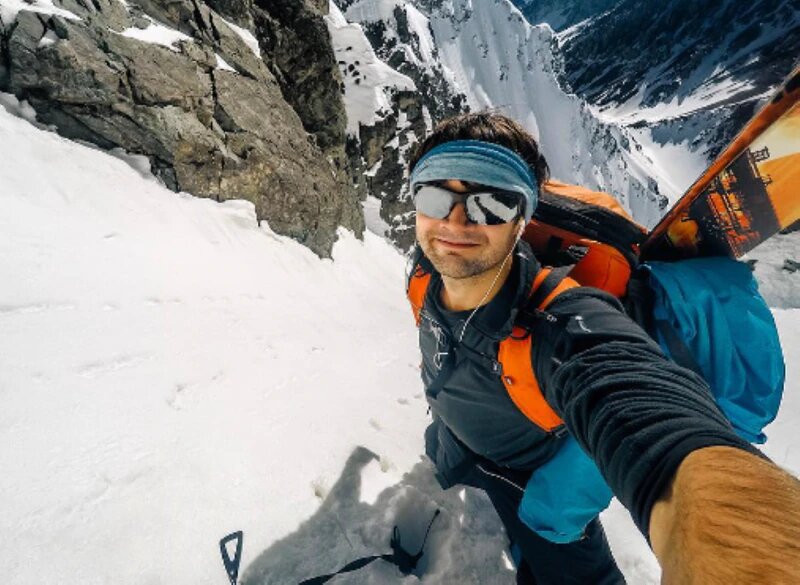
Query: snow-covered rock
(680, 75)
(487, 52)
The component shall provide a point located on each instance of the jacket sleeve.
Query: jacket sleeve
(635, 412)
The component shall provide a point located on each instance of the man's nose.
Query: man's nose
(458, 215)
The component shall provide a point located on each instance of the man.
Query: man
(713, 509)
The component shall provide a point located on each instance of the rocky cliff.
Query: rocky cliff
(310, 109)
(227, 98)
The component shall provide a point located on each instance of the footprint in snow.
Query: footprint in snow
(110, 365)
(34, 308)
(320, 488)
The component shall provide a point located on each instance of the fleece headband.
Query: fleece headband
(479, 162)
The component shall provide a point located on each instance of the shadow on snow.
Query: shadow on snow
(465, 544)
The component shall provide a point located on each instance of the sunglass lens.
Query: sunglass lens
(433, 201)
(493, 208)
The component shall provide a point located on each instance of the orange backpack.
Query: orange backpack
(593, 242)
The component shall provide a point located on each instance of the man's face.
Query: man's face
(459, 249)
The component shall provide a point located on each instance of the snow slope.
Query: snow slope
(171, 372)
(501, 61)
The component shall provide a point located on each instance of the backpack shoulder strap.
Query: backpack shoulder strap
(417, 284)
(514, 354)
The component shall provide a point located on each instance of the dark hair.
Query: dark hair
(488, 126)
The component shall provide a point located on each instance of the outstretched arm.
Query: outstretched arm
(665, 448)
(728, 517)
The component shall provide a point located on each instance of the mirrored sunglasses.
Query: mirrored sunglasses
(485, 207)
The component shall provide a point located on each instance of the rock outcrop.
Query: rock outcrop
(175, 81)
(297, 47)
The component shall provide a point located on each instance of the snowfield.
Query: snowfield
(171, 372)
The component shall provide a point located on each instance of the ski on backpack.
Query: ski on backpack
(748, 194)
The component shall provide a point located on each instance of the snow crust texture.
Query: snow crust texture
(171, 372)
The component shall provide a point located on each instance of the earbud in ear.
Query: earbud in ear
(521, 230)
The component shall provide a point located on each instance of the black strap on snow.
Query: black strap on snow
(232, 564)
(399, 557)
(354, 566)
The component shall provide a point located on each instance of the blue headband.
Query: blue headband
(479, 162)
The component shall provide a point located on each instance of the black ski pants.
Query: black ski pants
(585, 562)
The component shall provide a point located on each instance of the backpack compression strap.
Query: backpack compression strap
(514, 352)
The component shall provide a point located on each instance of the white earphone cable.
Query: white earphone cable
(491, 286)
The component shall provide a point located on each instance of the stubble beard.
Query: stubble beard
(457, 267)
